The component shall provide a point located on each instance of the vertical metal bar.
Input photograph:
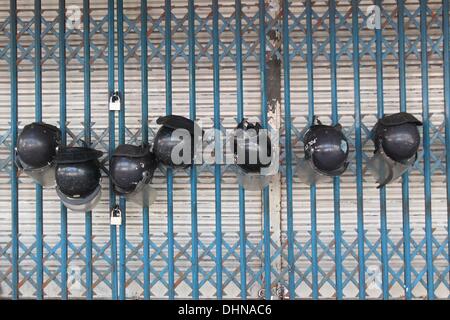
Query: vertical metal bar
(336, 180)
(144, 126)
(192, 115)
(38, 118)
(380, 113)
(312, 191)
(217, 168)
(122, 248)
(426, 146)
(288, 148)
(112, 139)
(144, 72)
(168, 63)
(405, 179)
(446, 26)
(401, 53)
(87, 137)
(14, 180)
(266, 202)
(62, 124)
(121, 75)
(240, 117)
(358, 146)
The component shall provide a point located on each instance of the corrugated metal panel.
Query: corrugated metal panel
(103, 281)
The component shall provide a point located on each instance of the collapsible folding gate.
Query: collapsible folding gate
(282, 61)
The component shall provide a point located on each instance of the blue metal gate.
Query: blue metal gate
(279, 60)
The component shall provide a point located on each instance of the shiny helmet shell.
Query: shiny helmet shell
(397, 139)
(165, 142)
(249, 143)
(131, 166)
(37, 145)
(327, 149)
(78, 177)
(398, 135)
(36, 150)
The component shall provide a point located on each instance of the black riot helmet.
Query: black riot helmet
(250, 143)
(397, 140)
(398, 136)
(78, 177)
(131, 167)
(36, 149)
(166, 141)
(326, 148)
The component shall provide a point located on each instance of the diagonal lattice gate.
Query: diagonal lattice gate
(279, 61)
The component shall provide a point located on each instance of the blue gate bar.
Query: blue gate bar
(380, 113)
(336, 180)
(217, 168)
(144, 127)
(426, 147)
(405, 179)
(288, 148)
(87, 137)
(14, 179)
(112, 141)
(38, 118)
(358, 147)
(312, 190)
(170, 235)
(192, 115)
(240, 117)
(121, 83)
(446, 26)
(266, 204)
(62, 125)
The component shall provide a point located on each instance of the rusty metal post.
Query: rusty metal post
(273, 85)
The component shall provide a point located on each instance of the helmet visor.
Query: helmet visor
(44, 176)
(81, 204)
(385, 170)
(307, 174)
(144, 195)
(253, 181)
